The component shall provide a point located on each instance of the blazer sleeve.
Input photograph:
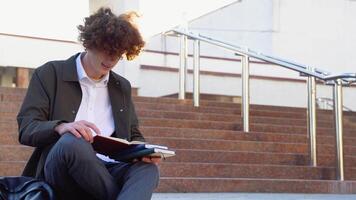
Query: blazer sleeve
(35, 128)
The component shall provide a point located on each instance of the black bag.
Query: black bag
(24, 188)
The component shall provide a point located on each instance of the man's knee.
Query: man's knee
(147, 171)
(69, 146)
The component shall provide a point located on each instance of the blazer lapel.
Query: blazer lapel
(117, 100)
(72, 88)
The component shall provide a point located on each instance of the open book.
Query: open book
(123, 150)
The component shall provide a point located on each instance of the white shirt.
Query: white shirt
(95, 106)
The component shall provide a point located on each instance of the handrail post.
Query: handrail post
(245, 92)
(339, 129)
(312, 118)
(196, 75)
(183, 57)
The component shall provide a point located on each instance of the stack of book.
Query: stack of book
(125, 151)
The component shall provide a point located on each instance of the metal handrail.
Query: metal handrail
(303, 69)
(338, 81)
(323, 72)
(247, 52)
(330, 102)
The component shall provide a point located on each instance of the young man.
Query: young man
(68, 101)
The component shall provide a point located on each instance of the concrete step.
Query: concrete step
(13, 107)
(11, 137)
(11, 168)
(228, 118)
(216, 156)
(293, 129)
(225, 145)
(230, 111)
(22, 153)
(15, 152)
(10, 117)
(221, 170)
(8, 139)
(248, 146)
(187, 184)
(17, 95)
(14, 96)
(9, 126)
(250, 196)
(213, 103)
(10, 107)
(239, 135)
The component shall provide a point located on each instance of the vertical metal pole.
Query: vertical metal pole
(196, 74)
(183, 54)
(312, 118)
(339, 129)
(245, 93)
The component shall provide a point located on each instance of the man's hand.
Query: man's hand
(79, 129)
(149, 159)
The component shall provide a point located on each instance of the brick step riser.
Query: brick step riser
(231, 118)
(250, 171)
(199, 144)
(239, 135)
(221, 171)
(212, 103)
(11, 136)
(228, 105)
(255, 185)
(248, 146)
(301, 130)
(258, 127)
(11, 118)
(11, 124)
(10, 97)
(257, 117)
(237, 127)
(256, 158)
(11, 169)
(15, 153)
(236, 110)
(207, 110)
(216, 157)
(230, 111)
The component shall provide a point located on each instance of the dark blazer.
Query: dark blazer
(54, 96)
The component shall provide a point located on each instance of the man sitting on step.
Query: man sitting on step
(69, 100)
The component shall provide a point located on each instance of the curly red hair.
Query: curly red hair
(111, 34)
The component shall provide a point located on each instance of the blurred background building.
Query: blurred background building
(317, 33)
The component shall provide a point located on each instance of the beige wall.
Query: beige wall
(320, 33)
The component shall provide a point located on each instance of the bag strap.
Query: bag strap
(38, 186)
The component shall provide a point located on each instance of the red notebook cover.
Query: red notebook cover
(110, 145)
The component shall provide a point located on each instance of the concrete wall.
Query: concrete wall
(316, 32)
(31, 52)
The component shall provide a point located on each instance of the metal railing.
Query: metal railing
(311, 73)
(325, 103)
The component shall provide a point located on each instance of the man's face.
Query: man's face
(100, 63)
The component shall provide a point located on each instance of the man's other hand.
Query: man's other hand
(149, 159)
(79, 129)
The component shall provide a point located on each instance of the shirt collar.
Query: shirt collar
(82, 75)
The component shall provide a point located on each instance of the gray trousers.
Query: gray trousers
(75, 172)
